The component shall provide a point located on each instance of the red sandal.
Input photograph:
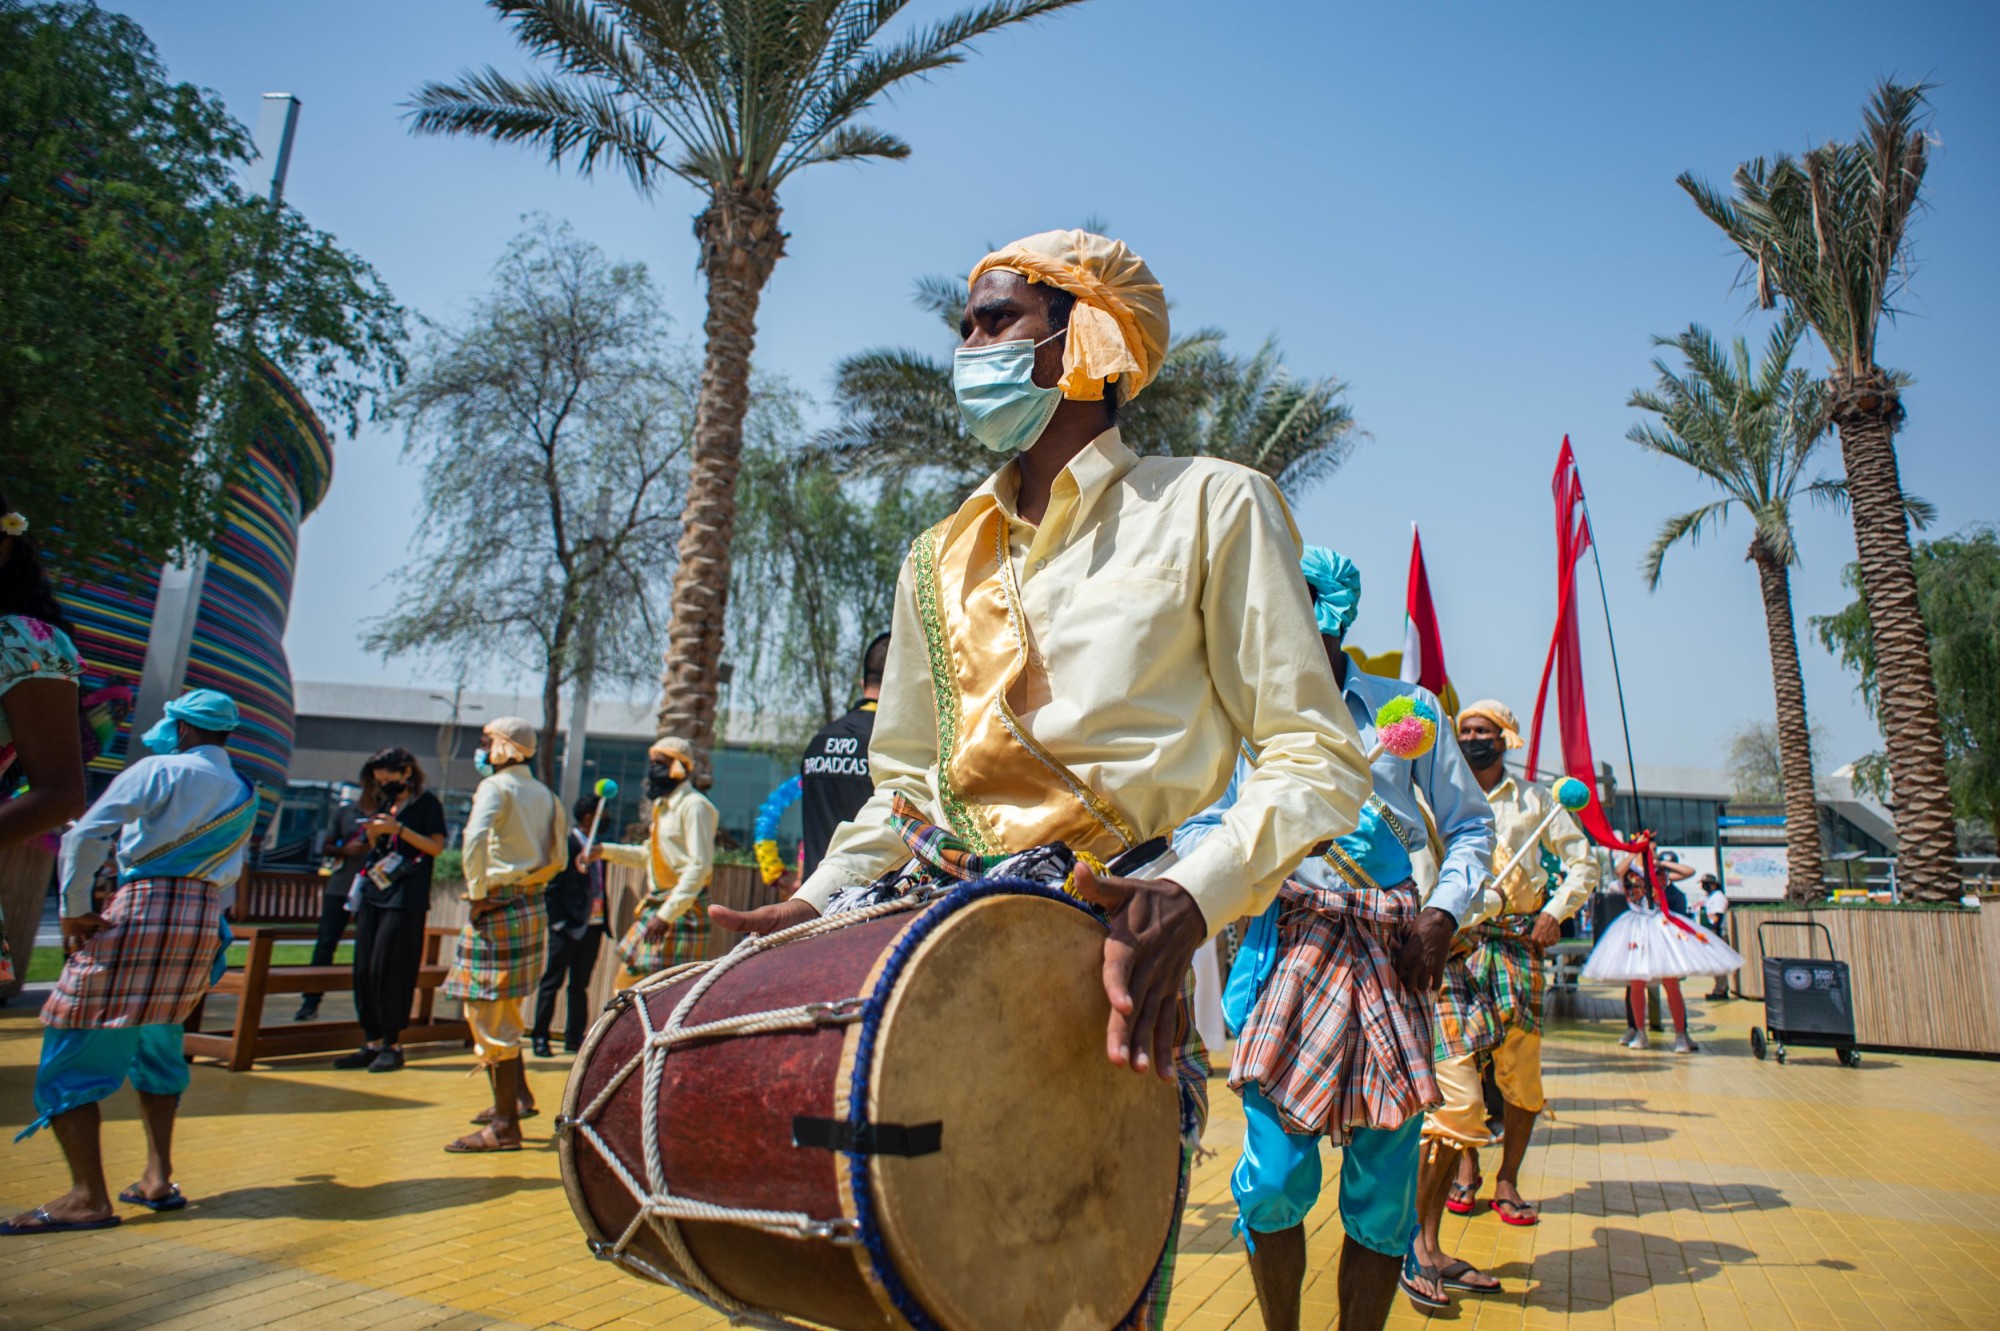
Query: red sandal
(1516, 1213)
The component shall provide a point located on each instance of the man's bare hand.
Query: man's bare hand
(1421, 953)
(1155, 929)
(77, 930)
(765, 919)
(482, 907)
(1546, 933)
(656, 928)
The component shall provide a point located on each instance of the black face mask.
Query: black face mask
(390, 788)
(660, 780)
(1481, 753)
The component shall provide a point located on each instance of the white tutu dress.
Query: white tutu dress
(1643, 944)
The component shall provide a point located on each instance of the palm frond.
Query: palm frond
(581, 122)
(852, 143)
(1688, 526)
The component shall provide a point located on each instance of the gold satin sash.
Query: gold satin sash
(1002, 791)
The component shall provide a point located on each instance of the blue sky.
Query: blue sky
(1467, 212)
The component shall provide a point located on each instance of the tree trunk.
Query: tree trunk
(740, 245)
(545, 755)
(1926, 851)
(1805, 872)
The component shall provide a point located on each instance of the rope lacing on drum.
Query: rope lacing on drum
(661, 1210)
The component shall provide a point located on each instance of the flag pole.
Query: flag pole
(1617, 679)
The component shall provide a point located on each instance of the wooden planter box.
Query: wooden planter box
(1921, 978)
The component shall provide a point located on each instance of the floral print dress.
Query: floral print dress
(29, 649)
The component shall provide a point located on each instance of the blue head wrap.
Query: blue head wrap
(204, 709)
(1336, 588)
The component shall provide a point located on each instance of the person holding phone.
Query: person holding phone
(405, 834)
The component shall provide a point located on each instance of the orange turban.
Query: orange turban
(1118, 329)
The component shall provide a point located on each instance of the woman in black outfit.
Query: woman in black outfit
(404, 837)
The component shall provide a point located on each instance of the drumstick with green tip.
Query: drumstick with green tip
(1571, 795)
(605, 789)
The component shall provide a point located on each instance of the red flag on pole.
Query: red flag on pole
(1423, 649)
(1565, 659)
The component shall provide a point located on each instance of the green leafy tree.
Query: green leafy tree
(140, 286)
(817, 559)
(733, 97)
(1958, 587)
(1750, 429)
(554, 427)
(898, 413)
(1828, 234)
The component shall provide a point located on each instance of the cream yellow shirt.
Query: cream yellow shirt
(1164, 598)
(1518, 808)
(514, 833)
(684, 826)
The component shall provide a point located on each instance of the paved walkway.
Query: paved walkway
(1707, 1191)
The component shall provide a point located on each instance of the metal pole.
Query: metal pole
(1624, 723)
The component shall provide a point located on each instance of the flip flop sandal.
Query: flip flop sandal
(477, 1143)
(1461, 1200)
(173, 1201)
(1415, 1270)
(48, 1224)
(1522, 1214)
(1452, 1275)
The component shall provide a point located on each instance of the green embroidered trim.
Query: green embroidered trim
(930, 613)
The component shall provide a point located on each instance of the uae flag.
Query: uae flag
(1423, 650)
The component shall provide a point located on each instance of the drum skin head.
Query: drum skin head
(1051, 1199)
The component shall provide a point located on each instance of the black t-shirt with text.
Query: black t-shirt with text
(834, 779)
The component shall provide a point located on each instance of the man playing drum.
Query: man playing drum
(1079, 653)
(1333, 1014)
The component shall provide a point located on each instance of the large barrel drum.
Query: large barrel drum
(900, 1118)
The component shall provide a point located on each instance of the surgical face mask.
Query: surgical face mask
(997, 394)
(1481, 753)
(482, 762)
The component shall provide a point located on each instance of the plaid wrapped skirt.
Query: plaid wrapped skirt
(686, 939)
(1334, 1040)
(149, 965)
(1493, 981)
(503, 953)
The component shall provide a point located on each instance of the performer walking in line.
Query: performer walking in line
(1333, 995)
(181, 819)
(575, 901)
(1492, 999)
(513, 845)
(1077, 655)
(679, 859)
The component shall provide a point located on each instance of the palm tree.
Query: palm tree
(1828, 235)
(733, 97)
(898, 414)
(1750, 430)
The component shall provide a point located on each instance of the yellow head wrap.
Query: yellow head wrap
(1500, 714)
(1118, 329)
(677, 753)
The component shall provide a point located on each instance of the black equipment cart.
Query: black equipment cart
(1807, 1002)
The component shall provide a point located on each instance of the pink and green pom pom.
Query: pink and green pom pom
(1572, 794)
(1406, 727)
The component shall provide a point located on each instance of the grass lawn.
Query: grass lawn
(47, 961)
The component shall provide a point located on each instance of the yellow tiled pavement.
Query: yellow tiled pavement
(1709, 1191)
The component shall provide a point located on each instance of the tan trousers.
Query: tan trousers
(496, 1029)
(1517, 1068)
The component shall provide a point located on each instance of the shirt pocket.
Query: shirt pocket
(1139, 610)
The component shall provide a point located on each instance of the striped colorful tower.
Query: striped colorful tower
(238, 643)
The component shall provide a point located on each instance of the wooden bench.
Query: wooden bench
(1568, 956)
(257, 979)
